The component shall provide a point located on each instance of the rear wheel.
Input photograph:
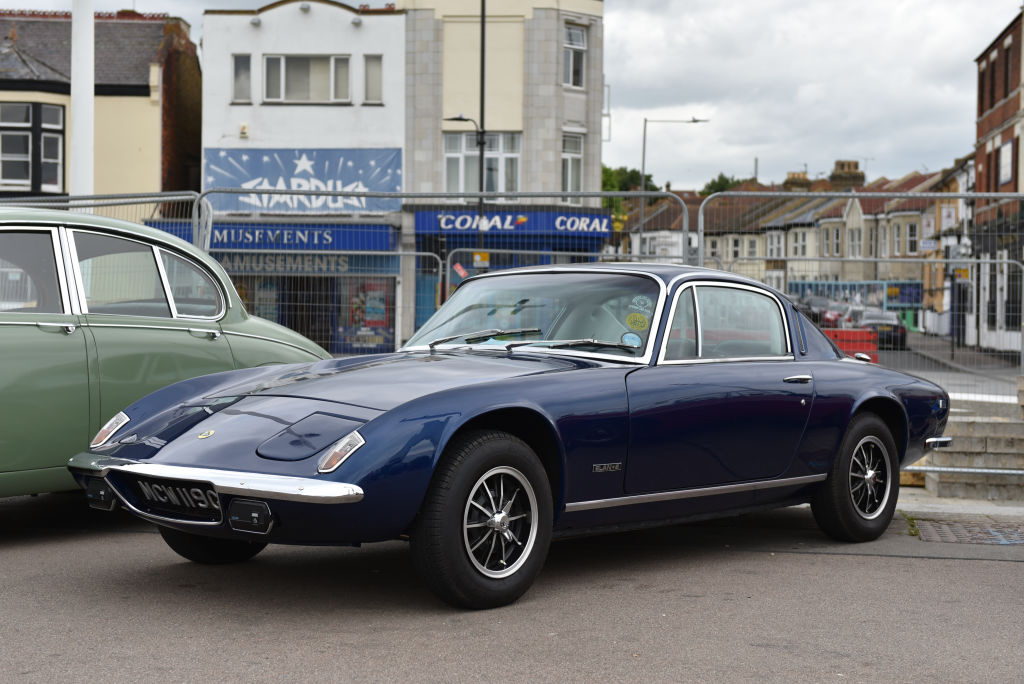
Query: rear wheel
(485, 526)
(209, 550)
(857, 501)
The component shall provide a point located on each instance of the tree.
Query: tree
(720, 184)
(623, 179)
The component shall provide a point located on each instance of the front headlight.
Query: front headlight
(112, 426)
(339, 451)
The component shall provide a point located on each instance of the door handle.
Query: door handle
(199, 332)
(800, 379)
(68, 328)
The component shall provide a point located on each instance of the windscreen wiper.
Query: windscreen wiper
(481, 335)
(590, 342)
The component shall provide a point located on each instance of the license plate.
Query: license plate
(179, 499)
(885, 328)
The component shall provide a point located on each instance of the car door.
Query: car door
(44, 373)
(726, 403)
(152, 314)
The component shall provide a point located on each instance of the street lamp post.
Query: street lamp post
(481, 143)
(643, 159)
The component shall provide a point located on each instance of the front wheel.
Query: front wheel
(485, 526)
(209, 550)
(857, 501)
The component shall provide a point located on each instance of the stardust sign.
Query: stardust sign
(330, 170)
(597, 224)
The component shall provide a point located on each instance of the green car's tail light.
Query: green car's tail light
(112, 426)
(339, 451)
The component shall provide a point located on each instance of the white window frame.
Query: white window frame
(503, 148)
(883, 243)
(59, 161)
(853, 236)
(1006, 163)
(913, 244)
(574, 53)
(751, 248)
(572, 166)
(775, 245)
(17, 182)
(713, 247)
(837, 240)
(235, 62)
(897, 237)
(735, 248)
(367, 80)
(282, 61)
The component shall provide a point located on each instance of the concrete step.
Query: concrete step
(979, 442)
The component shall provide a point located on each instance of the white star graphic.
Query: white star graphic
(303, 163)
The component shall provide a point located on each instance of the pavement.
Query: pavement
(938, 350)
(917, 500)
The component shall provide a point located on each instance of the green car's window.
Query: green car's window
(28, 274)
(194, 292)
(119, 276)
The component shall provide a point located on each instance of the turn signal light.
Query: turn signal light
(112, 426)
(339, 451)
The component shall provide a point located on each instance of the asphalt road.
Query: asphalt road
(90, 596)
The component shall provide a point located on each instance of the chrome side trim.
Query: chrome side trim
(257, 485)
(938, 442)
(268, 339)
(691, 493)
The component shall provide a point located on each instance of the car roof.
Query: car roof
(32, 215)
(663, 272)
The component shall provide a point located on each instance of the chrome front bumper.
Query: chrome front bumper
(938, 442)
(233, 482)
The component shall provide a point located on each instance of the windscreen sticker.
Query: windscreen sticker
(637, 321)
(642, 304)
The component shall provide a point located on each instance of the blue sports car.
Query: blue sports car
(535, 403)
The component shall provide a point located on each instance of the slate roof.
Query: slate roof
(126, 44)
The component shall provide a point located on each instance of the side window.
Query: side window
(194, 292)
(682, 336)
(119, 276)
(28, 274)
(736, 323)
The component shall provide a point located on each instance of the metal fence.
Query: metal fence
(360, 272)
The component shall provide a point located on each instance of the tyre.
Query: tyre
(209, 550)
(483, 532)
(857, 500)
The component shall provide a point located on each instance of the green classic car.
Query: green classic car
(96, 313)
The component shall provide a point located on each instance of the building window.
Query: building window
(800, 243)
(751, 247)
(854, 236)
(1006, 70)
(572, 164)
(911, 238)
(713, 249)
(242, 90)
(306, 79)
(501, 162)
(896, 239)
(981, 92)
(31, 147)
(1006, 163)
(883, 243)
(374, 79)
(735, 248)
(837, 235)
(573, 55)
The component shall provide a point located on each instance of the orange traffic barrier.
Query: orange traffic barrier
(855, 340)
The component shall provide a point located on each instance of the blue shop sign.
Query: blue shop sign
(304, 236)
(506, 223)
(324, 263)
(331, 170)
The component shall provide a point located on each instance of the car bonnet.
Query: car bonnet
(384, 382)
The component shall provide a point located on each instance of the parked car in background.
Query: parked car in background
(892, 334)
(813, 306)
(96, 313)
(535, 403)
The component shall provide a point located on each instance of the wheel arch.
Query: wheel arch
(892, 414)
(536, 431)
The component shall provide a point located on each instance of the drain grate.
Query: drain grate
(971, 531)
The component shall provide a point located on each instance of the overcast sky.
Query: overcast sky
(794, 84)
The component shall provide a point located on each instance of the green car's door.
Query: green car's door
(44, 374)
(152, 314)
